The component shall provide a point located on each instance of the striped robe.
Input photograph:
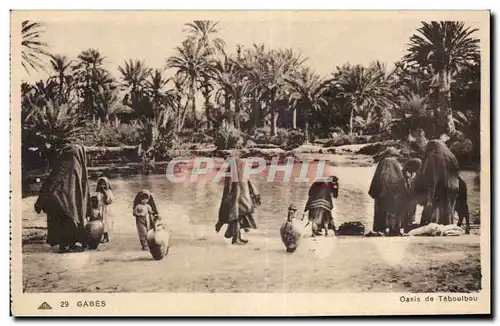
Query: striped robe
(320, 204)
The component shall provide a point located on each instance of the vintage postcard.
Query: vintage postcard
(250, 163)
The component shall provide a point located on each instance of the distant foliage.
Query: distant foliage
(210, 95)
(111, 134)
(229, 137)
(289, 139)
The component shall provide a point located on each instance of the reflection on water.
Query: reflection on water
(184, 205)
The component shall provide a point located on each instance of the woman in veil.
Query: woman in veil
(239, 200)
(388, 189)
(438, 182)
(64, 197)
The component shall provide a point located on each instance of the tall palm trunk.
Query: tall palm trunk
(444, 102)
(227, 106)
(237, 113)
(152, 134)
(255, 111)
(294, 118)
(207, 112)
(274, 122)
(192, 94)
(206, 96)
(306, 126)
(183, 117)
(351, 121)
(61, 87)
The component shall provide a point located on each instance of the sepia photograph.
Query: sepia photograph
(336, 161)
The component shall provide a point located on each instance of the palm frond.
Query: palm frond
(32, 48)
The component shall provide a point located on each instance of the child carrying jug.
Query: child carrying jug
(146, 214)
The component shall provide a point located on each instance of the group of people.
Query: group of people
(401, 183)
(398, 186)
(240, 199)
(66, 199)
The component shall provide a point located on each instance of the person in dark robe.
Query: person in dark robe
(461, 205)
(146, 214)
(320, 204)
(410, 170)
(388, 189)
(438, 182)
(65, 198)
(239, 200)
(105, 197)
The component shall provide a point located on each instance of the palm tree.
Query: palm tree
(32, 48)
(205, 32)
(162, 102)
(443, 48)
(180, 108)
(91, 78)
(223, 67)
(306, 90)
(91, 58)
(277, 66)
(60, 65)
(252, 63)
(234, 84)
(406, 79)
(190, 62)
(362, 89)
(134, 76)
(57, 124)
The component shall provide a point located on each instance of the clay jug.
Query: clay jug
(290, 235)
(93, 233)
(158, 241)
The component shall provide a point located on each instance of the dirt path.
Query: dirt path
(210, 264)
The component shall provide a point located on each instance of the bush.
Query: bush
(201, 138)
(342, 140)
(228, 137)
(289, 139)
(262, 136)
(110, 134)
(164, 144)
(285, 138)
(381, 137)
(377, 148)
(54, 124)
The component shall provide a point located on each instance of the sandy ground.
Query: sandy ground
(210, 264)
(202, 261)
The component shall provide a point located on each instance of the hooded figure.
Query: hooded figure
(239, 200)
(65, 198)
(388, 189)
(320, 204)
(105, 197)
(146, 214)
(438, 182)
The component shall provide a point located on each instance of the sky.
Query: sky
(327, 40)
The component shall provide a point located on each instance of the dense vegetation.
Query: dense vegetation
(255, 95)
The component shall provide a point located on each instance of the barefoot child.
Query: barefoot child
(146, 214)
(106, 197)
